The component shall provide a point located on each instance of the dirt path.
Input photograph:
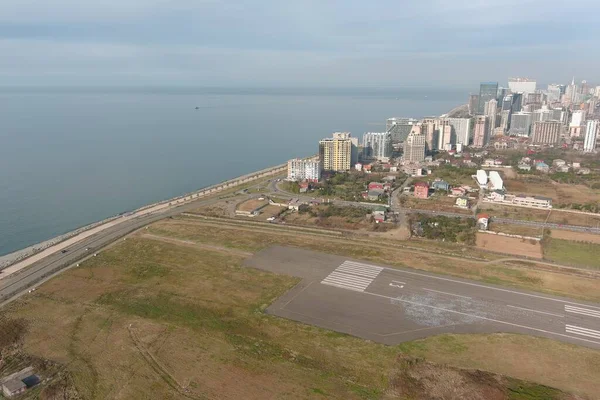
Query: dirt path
(166, 239)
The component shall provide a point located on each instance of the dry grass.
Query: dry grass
(437, 203)
(570, 218)
(519, 213)
(511, 229)
(576, 236)
(423, 257)
(154, 319)
(503, 353)
(507, 245)
(561, 193)
(251, 205)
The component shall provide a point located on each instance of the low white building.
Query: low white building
(482, 177)
(496, 181)
(299, 170)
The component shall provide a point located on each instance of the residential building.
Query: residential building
(462, 202)
(505, 120)
(520, 123)
(532, 201)
(299, 170)
(473, 103)
(522, 85)
(444, 134)
(491, 111)
(578, 118)
(421, 190)
(546, 132)
(482, 177)
(482, 221)
(553, 93)
(542, 167)
(377, 145)
(399, 128)
(441, 185)
(335, 154)
(460, 130)
(428, 128)
(592, 136)
(414, 147)
(487, 92)
(481, 135)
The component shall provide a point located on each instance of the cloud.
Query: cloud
(350, 42)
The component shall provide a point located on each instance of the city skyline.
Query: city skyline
(134, 42)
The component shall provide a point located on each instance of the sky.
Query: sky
(291, 43)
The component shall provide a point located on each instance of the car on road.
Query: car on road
(64, 251)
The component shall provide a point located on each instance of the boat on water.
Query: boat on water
(197, 108)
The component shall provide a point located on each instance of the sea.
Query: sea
(73, 156)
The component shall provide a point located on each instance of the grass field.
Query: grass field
(573, 253)
(576, 236)
(437, 203)
(522, 213)
(511, 229)
(561, 193)
(154, 319)
(509, 245)
(571, 218)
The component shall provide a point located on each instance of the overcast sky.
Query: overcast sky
(297, 43)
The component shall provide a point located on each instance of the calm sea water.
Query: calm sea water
(69, 158)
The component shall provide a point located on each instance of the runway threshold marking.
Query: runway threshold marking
(353, 276)
(572, 328)
(400, 271)
(582, 311)
(578, 330)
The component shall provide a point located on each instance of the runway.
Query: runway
(390, 305)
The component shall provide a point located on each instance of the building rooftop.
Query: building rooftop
(14, 385)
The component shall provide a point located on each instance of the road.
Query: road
(22, 280)
(390, 305)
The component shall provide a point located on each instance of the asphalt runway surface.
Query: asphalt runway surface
(390, 305)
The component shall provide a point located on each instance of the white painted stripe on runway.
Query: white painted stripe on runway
(582, 311)
(344, 283)
(358, 272)
(583, 331)
(362, 268)
(363, 264)
(352, 277)
(536, 311)
(350, 282)
(450, 294)
(343, 286)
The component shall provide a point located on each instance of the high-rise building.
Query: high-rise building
(487, 91)
(592, 135)
(335, 154)
(491, 111)
(444, 134)
(546, 132)
(377, 145)
(299, 170)
(399, 128)
(543, 114)
(414, 147)
(473, 103)
(522, 85)
(520, 123)
(571, 93)
(577, 119)
(553, 93)
(461, 128)
(428, 128)
(505, 120)
(481, 133)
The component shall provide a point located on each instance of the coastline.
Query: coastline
(19, 259)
